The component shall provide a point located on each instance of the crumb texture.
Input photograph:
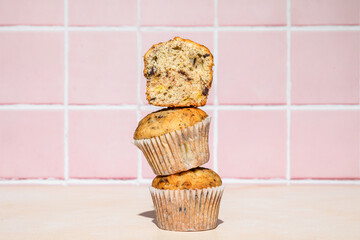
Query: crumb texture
(196, 178)
(179, 73)
(168, 120)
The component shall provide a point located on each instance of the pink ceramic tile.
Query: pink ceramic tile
(34, 12)
(146, 169)
(325, 144)
(252, 144)
(100, 144)
(177, 13)
(102, 12)
(252, 12)
(151, 38)
(325, 12)
(325, 67)
(31, 67)
(31, 144)
(252, 68)
(102, 67)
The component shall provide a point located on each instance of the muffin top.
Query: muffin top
(168, 120)
(196, 178)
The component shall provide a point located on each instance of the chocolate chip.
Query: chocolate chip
(194, 61)
(177, 48)
(165, 94)
(152, 99)
(180, 209)
(206, 55)
(189, 79)
(205, 91)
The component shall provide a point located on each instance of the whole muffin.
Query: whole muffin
(187, 201)
(196, 178)
(174, 139)
(179, 73)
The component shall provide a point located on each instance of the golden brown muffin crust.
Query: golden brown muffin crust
(168, 120)
(196, 178)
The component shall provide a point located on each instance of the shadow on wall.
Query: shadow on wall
(151, 214)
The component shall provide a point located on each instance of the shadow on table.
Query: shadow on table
(151, 214)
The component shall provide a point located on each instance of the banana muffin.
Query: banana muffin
(179, 73)
(174, 139)
(187, 201)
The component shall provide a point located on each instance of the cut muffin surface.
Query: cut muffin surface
(179, 73)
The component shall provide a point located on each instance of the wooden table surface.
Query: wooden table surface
(126, 212)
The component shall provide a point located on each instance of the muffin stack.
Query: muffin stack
(175, 140)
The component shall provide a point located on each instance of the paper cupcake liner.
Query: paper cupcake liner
(187, 210)
(179, 150)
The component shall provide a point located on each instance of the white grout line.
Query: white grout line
(325, 28)
(215, 89)
(154, 108)
(288, 92)
(171, 28)
(148, 181)
(66, 94)
(139, 102)
(105, 28)
(289, 182)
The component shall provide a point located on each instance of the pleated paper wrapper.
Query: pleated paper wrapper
(179, 150)
(187, 210)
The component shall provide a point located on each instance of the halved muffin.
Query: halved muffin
(179, 73)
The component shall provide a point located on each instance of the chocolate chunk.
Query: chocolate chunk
(205, 91)
(151, 72)
(152, 99)
(182, 72)
(206, 55)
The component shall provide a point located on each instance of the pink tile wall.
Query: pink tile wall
(34, 12)
(252, 144)
(99, 145)
(177, 13)
(285, 100)
(102, 13)
(252, 12)
(100, 74)
(325, 144)
(325, 12)
(31, 144)
(31, 67)
(255, 69)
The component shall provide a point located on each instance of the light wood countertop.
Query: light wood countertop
(126, 212)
